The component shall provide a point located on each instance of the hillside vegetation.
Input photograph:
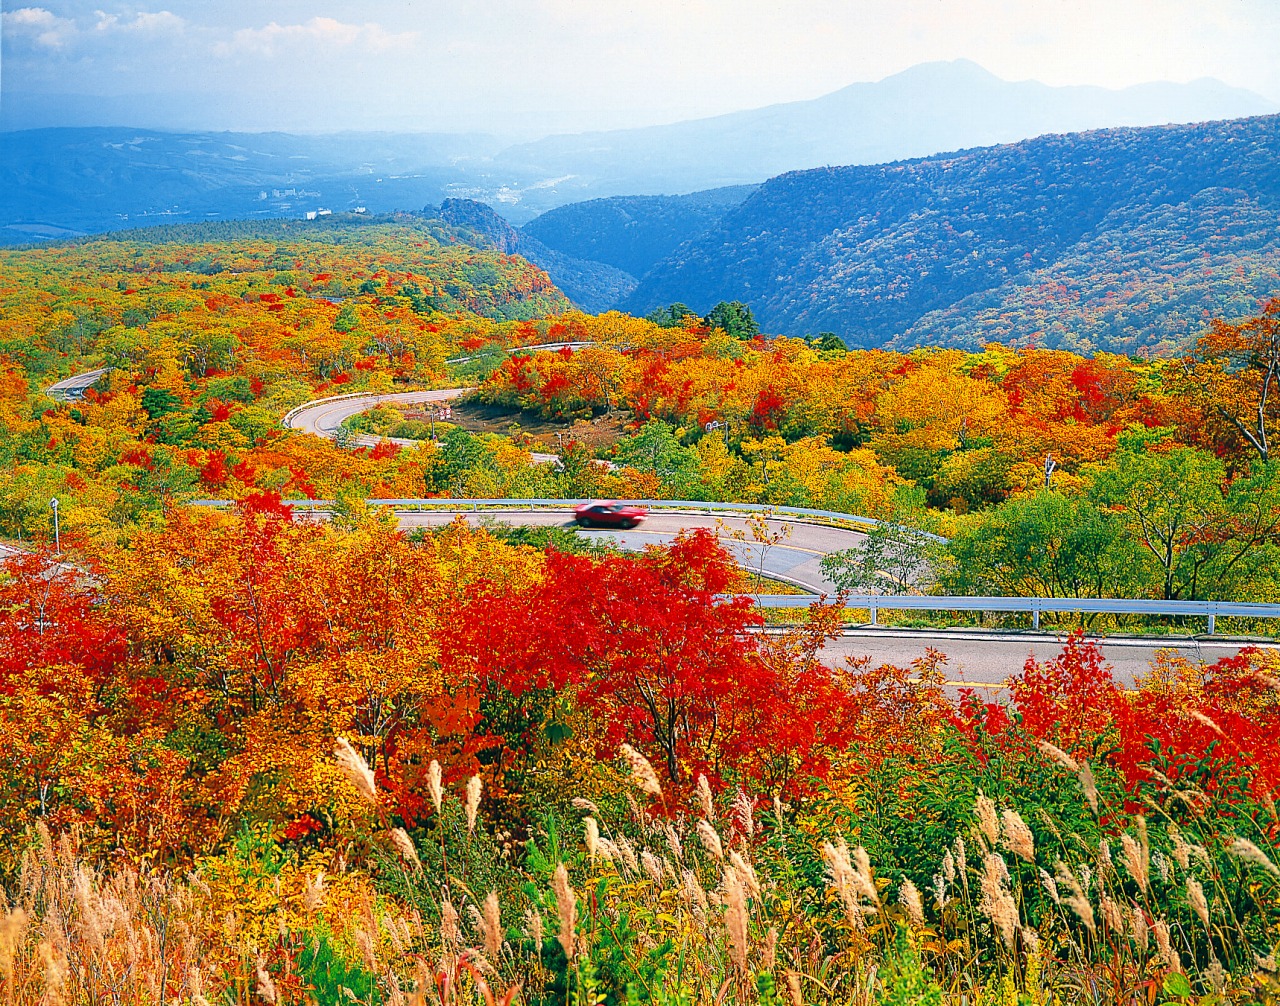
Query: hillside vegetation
(1125, 240)
(592, 286)
(632, 233)
(247, 756)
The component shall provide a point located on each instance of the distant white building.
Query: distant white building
(311, 214)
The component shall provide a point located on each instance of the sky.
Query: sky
(527, 67)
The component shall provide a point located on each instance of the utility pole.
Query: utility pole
(1049, 466)
(436, 410)
(57, 537)
(720, 425)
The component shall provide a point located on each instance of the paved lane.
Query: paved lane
(324, 418)
(795, 559)
(71, 389)
(987, 658)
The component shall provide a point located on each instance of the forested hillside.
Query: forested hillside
(65, 180)
(592, 286)
(1122, 239)
(632, 233)
(249, 756)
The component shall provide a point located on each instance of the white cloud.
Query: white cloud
(527, 65)
(323, 32)
(143, 21)
(38, 25)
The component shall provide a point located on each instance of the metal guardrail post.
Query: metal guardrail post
(874, 613)
(1035, 613)
(1213, 611)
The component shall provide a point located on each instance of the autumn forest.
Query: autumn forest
(250, 755)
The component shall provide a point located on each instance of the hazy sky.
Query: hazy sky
(536, 65)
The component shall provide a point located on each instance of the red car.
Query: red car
(609, 513)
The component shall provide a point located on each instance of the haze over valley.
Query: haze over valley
(86, 179)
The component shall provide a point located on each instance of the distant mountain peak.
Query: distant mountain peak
(945, 70)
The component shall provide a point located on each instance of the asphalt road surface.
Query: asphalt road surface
(795, 559)
(324, 418)
(982, 660)
(978, 659)
(985, 659)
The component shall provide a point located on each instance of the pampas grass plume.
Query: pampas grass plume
(474, 789)
(404, 845)
(566, 908)
(492, 927)
(735, 917)
(1056, 754)
(434, 785)
(1247, 852)
(710, 840)
(591, 832)
(988, 822)
(704, 798)
(356, 769)
(643, 776)
(1017, 836)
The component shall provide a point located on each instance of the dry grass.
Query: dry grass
(719, 910)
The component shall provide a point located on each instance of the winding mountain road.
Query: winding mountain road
(981, 660)
(324, 417)
(977, 659)
(795, 559)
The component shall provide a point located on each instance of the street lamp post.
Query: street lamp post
(57, 537)
(717, 425)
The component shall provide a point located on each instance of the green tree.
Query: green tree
(1171, 500)
(735, 318)
(656, 447)
(347, 319)
(1046, 545)
(672, 316)
(459, 453)
(157, 402)
(898, 557)
(208, 349)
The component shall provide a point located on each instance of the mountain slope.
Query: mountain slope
(632, 232)
(927, 108)
(872, 252)
(592, 286)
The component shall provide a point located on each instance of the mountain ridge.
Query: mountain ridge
(927, 108)
(96, 178)
(872, 251)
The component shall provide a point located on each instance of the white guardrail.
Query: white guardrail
(538, 348)
(875, 603)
